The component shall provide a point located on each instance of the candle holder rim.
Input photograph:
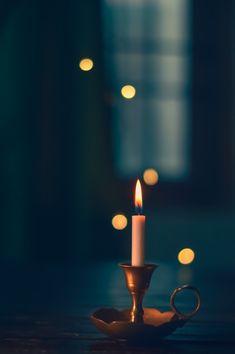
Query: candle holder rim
(146, 265)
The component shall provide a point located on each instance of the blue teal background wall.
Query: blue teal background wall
(58, 185)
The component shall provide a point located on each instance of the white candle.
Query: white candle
(138, 230)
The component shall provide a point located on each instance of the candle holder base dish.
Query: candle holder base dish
(155, 326)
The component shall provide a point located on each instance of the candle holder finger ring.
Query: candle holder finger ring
(198, 299)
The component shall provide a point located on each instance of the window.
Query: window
(148, 45)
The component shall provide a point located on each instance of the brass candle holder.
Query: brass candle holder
(137, 324)
(137, 282)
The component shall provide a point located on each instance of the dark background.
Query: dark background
(58, 185)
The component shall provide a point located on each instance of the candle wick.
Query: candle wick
(138, 210)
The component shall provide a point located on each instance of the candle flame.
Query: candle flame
(138, 197)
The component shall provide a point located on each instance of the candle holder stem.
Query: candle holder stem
(137, 282)
(137, 311)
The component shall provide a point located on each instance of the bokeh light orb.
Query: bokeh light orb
(119, 222)
(128, 91)
(86, 64)
(150, 176)
(186, 256)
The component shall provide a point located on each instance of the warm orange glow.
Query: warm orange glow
(138, 196)
(150, 176)
(86, 64)
(186, 256)
(128, 91)
(119, 222)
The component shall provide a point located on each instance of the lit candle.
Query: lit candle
(138, 225)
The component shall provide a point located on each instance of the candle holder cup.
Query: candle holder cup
(137, 282)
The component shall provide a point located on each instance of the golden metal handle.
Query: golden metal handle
(174, 308)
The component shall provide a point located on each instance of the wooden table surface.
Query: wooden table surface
(46, 309)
